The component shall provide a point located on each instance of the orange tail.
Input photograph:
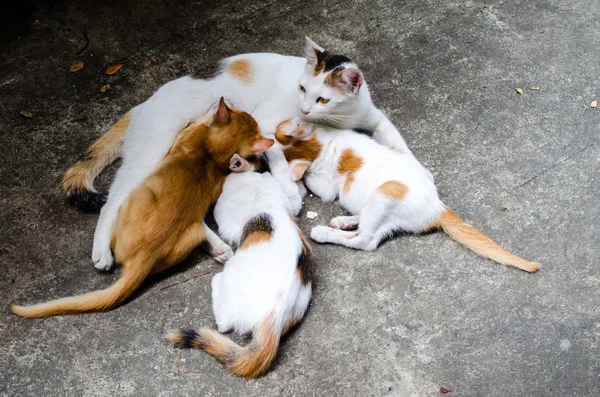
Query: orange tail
(96, 301)
(249, 362)
(78, 182)
(481, 244)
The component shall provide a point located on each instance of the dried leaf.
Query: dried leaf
(194, 23)
(533, 88)
(594, 104)
(26, 114)
(147, 63)
(520, 91)
(443, 390)
(104, 88)
(311, 214)
(75, 66)
(35, 110)
(112, 69)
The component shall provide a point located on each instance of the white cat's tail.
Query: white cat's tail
(97, 301)
(78, 182)
(474, 239)
(249, 362)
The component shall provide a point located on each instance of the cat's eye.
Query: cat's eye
(322, 100)
(302, 88)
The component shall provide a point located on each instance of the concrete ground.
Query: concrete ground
(418, 314)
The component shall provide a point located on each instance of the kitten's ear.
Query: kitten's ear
(352, 79)
(222, 115)
(313, 51)
(239, 164)
(261, 145)
(298, 168)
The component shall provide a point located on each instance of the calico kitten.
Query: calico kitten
(265, 287)
(162, 220)
(386, 191)
(321, 87)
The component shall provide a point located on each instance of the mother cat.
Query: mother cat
(331, 90)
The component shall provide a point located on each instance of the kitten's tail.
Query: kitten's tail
(78, 182)
(96, 301)
(250, 361)
(481, 244)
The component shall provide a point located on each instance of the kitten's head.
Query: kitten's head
(329, 83)
(300, 145)
(232, 131)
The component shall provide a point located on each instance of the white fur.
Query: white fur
(262, 278)
(376, 216)
(273, 96)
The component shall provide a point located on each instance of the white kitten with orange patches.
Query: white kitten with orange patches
(386, 191)
(265, 287)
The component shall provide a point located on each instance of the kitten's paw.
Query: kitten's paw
(345, 222)
(320, 233)
(222, 254)
(105, 262)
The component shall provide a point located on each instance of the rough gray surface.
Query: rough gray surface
(420, 312)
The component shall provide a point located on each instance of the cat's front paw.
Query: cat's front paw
(222, 254)
(103, 260)
(320, 233)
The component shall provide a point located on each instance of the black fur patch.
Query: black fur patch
(335, 61)
(306, 262)
(260, 223)
(86, 201)
(188, 337)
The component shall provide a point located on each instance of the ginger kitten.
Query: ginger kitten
(162, 220)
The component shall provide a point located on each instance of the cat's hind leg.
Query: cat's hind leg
(374, 225)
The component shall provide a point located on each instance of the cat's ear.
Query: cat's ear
(261, 145)
(222, 114)
(313, 51)
(352, 79)
(239, 164)
(298, 168)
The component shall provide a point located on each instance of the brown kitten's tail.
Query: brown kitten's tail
(96, 301)
(250, 361)
(78, 182)
(481, 244)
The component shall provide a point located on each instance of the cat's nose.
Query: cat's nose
(304, 111)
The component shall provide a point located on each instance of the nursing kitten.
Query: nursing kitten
(162, 220)
(265, 287)
(386, 191)
(321, 87)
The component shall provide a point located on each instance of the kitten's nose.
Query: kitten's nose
(304, 112)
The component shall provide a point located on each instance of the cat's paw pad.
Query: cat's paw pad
(222, 254)
(345, 222)
(105, 262)
(320, 233)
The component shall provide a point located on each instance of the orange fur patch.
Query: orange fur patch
(349, 164)
(291, 323)
(256, 359)
(242, 70)
(255, 238)
(303, 150)
(393, 189)
(101, 153)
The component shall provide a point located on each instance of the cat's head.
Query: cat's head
(300, 145)
(233, 131)
(329, 83)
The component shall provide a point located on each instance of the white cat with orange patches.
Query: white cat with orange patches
(265, 287)
(385, 190)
